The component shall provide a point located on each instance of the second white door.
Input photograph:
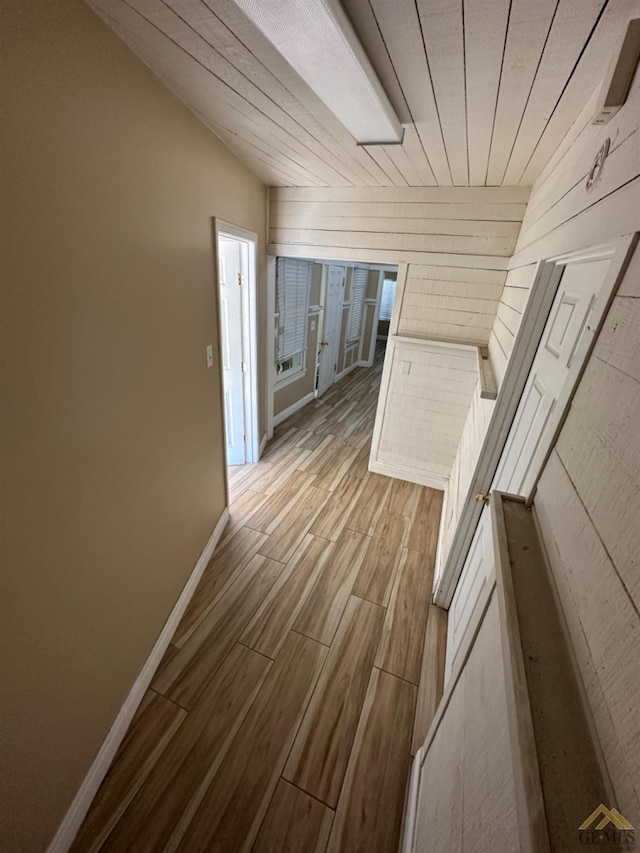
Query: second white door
(553, 374)
(331, 329)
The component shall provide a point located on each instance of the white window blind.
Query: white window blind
(293, 283)
(358, 290)
(386, 302)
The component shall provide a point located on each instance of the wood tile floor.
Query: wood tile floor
(307, 667)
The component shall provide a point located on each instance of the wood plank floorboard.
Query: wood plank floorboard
(369, 814)
(366, 513)
(294, 823)
(325, 606)
(401, 645)
(161, 811)
(330, 523)
(307, 666)
(227, 563)
(379, 568)
(319, 757)
(273, 620)
(235, 803)
(149, 733)
(188, 672)
(423, 536)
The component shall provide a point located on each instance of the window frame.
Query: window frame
(349, 341)
(298, 368)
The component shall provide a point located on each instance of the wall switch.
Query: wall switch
(210, 355)
(313, 326)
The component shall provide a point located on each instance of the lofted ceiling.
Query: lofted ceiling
(486, 89)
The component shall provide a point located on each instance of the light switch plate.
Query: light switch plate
(210, 355)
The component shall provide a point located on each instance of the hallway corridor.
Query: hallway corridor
(285, 712)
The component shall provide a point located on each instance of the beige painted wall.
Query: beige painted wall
(112, 470)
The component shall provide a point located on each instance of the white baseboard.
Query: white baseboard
(347, 370)
(411, 807)
(263, 444)
(72, 821)
(282, 416)
(422, 478)
(437, 572)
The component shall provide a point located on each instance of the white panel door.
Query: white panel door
(231, 326)
(553, 374)
(478, 571)
(331, 329)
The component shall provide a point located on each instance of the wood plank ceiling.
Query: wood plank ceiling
(487, 89)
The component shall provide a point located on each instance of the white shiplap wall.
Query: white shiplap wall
(588, 497)
(456, 242)
(561, 215)
(424, 399)
(453, 303)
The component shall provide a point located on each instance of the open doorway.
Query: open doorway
(236, 253)
(388, 280)
(325, 316)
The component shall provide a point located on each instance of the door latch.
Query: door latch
(483, 498)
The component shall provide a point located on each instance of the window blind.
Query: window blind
(386, 302)
(358, 290)
(293, 284)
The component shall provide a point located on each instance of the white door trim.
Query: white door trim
(249, 330)
(526, 344)
(270, 332)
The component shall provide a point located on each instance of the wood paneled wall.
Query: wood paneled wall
(588, 504)
(424, 400)
(467, 782)
(587, 501)
(452, 303)
(562, 215)
(455, 240)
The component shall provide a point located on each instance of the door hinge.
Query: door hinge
(481, 497)
(240, 279)
(243, 366)
(246, 438)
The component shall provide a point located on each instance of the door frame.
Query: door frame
(249, 239)
(534, 320)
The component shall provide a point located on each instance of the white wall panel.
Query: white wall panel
(587, 499)
(424, 400)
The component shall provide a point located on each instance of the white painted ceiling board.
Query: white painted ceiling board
(361, 168)
(572, 27)
(194, 83)
(237, 88)
(487, 89)
(443, 32)
(485, 30)
(599, 52)
(529, 26)
(403, 38)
